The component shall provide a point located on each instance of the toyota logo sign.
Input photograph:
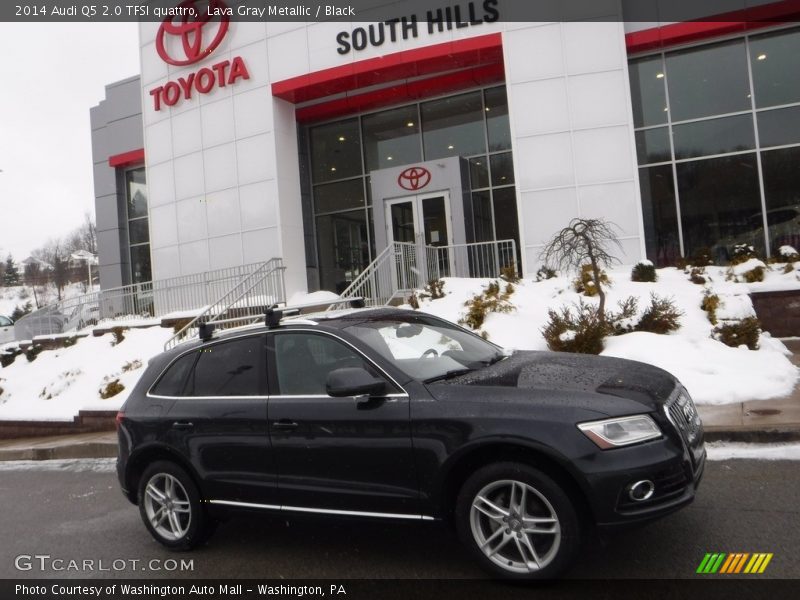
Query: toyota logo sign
(414, 178)
(189, 29)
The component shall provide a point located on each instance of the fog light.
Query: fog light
(641, 490)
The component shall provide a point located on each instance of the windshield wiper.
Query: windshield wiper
(449, 375)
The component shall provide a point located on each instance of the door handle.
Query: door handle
(285, 424)
(182, 425)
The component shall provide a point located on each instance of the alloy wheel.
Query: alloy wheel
(515, 526)
(167, 506)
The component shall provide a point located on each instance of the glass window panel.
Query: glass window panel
(720, 202)
(502, 169)
(497, 127)
(137, 193)
(453, 126)
(648, 95)
(138, 231)
(710, 80)
(303, 362)
(715, 136)
(171, 383)
(659, 215)
(482, 216)
(391, 138)
(140, 263)
(652, 145)
(343, 248)
(782, 195)
(779, 127)
(235, 368)
(434, 221)
(335, 151)
(479, 172)
(339, 196)
(506, 222)
(775, 61)
(402, 218)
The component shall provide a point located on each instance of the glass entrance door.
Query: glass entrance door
(423, 220)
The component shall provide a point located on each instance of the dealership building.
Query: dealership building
(324, 143)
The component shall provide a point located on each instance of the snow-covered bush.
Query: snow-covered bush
(701, 257)
(661, 316)
(32, 352)
(545, 273)
(644, 271)
(742, 253)
(710, 304)
(111, 389)
(509, 273)
(491, 299)
(736, 333)
(434, 289)
(582, 331)
(119, 335)
(751, 270)
(585, 283)
(787, 254)
(697, 275)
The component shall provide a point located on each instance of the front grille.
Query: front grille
(669, 484)
(683, 414)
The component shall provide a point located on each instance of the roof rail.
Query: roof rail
(271, 317)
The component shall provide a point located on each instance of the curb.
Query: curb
(85, 450)
(777, 435)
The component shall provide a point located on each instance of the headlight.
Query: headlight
(622, 431)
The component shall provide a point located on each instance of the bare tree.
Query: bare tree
(584, 241)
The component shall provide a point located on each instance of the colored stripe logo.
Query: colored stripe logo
(734, 563)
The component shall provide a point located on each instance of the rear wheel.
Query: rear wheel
(517, 521)
(170, 506)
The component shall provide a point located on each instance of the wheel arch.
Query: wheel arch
(465, 463)
(139, 461)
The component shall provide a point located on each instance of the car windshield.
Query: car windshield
(427, 348)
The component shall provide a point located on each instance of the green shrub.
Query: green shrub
(509, 273)
(644, 271)
(585, 285)
(490, 300)
(110, 389)
(736, 333)
(545, 273)
(710, 304)
(21, 311)
(624, 320)
(661, 316)
(581, 332)
(9, 356)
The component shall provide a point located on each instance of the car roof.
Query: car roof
(337, 319)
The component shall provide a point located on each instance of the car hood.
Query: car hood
(564, 372)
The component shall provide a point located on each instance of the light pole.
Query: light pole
(89, 258)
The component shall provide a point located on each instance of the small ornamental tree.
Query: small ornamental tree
(584, 242)
(11, 273)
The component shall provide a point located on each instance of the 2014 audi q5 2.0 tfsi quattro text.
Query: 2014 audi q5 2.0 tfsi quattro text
(395, 414)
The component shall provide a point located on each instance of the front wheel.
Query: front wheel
(170, 506)
(517, 521)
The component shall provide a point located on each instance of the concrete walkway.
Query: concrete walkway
(756, 421)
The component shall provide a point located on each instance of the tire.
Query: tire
(171, 507)
(483, 519)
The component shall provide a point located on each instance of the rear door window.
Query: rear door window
(173, 380)
(233, 368)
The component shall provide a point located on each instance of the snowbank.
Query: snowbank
(712, 372)
(59, 383)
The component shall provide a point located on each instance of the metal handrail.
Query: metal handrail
(136, 302)
(403, 267)
(247, 300)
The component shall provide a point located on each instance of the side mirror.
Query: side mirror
(353, 382)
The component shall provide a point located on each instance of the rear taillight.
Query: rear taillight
(118, 418)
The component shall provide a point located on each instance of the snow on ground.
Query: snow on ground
(72, 465)
(61, 382)
(712, 372)
(731, 450)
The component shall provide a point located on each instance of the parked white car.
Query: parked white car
(6, 330)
